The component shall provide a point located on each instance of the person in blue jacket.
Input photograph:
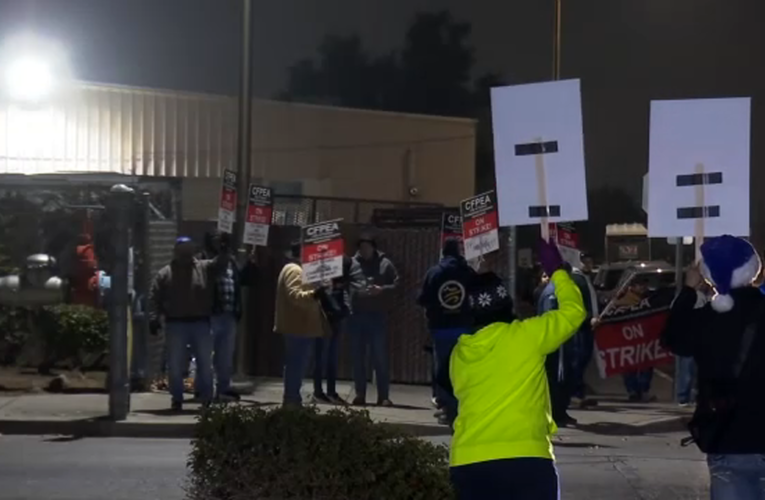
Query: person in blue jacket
(444, 297)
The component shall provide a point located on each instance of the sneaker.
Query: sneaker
(176, 406)
(434, 402)
(335, 399)
(385, 403)
(635, 398)
(319, 398)
(359, 401)
(567, 421)
(588, 403)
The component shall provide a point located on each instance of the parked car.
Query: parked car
(611, 278)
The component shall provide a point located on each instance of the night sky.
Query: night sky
(626, 51)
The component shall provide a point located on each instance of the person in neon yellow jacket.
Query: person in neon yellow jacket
(502, 446)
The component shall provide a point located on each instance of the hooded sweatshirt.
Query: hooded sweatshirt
(714, 341)
(499, 378)
(380, 271)
(444, 294)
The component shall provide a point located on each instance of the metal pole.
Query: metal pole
(244, 136)
(557, 40)
(512, 272)
(678, 288)
(140, 376)
(119, 380)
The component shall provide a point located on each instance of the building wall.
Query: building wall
(323, 150)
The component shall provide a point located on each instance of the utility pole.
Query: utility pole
(119, 380)
(244, 134)
(244, 168)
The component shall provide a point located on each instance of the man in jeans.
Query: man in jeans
(227, 311)
(299, 319)
(335, 301)
(182, 294)
(444, 297)
(369, 322)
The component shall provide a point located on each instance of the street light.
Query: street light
(29, 79)
(32, 69)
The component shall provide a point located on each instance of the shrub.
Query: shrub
(72, 332)
(245, 453)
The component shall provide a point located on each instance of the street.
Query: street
(592, 466)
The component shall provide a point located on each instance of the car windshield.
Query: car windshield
(608, 279)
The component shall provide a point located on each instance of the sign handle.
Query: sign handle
(699, 229)
(542, 191)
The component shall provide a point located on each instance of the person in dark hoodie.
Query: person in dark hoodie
(444, 297)
(227, 310)
(335, 301)
(372, 301)
(725, 338)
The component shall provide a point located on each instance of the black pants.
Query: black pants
(516, 479)
(560, 392)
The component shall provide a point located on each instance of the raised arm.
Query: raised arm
(554, 327)
(293, 283)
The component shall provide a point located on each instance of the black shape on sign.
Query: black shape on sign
(536, 148)
(541, 211)
(699, 179)
(698, 212)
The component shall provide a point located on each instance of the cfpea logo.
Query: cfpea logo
(322, 229)
(229, 178)
(260, 192)
(453, 220)
(478, 203)
(451, 295)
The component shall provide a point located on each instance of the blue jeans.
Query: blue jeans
(296, 353)
(737, 477)
(522, 478)
(584, 344)
(638, 383)
(370, 329)
(686, 373)
(444, 342)
(180, 335)
(224, 344)
(325, 361)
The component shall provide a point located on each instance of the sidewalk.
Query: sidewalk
(87, 414)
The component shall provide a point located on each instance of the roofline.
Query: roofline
(201, 95)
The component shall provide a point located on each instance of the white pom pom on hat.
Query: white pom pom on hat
(722, 303)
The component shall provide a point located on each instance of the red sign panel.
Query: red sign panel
(322, 251)
(259, 211)
(480, 225)
(628, 339)
(227, 206)
(451, 226)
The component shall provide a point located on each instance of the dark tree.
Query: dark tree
(430, 75)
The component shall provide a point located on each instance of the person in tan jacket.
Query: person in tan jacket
(299, 319)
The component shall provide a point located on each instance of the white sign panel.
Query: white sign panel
(699, 167)
(539, 153)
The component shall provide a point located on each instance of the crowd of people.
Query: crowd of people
(503, 384)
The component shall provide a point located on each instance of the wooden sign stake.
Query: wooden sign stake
(542, 190)
(699, 230)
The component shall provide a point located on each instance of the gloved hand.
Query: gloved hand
(549, 257)
(154, 327)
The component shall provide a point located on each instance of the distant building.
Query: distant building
(104, 132)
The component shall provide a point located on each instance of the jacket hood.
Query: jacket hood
(451, 262)
(474, 348)
(377, 255)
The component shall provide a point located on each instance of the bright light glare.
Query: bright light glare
(29, 79)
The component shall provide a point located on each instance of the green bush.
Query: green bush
(72, 332)
(245, 453)
(14, 333)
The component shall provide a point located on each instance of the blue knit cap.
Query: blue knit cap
(728, 263)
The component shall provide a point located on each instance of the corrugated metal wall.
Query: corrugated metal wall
(120, 130)
(332, 151)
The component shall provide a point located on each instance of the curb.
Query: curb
(154, 430)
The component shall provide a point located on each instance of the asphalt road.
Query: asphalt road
(593, 467)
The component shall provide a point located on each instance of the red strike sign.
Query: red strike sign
(630, 346)
(480, 225)
(228, 192)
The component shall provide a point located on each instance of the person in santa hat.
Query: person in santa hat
(726, 340)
